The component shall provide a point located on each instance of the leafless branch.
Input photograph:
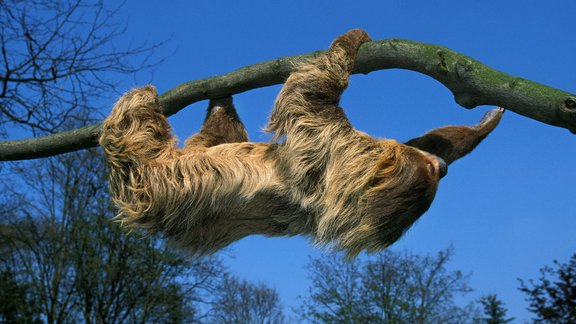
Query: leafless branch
(53, 57)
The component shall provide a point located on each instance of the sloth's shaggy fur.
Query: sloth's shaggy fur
(319, 177)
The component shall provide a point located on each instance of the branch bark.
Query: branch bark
(471, 82)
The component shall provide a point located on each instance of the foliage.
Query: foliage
(17, 305)
(391, 287)
(553, 296)
(494, 310)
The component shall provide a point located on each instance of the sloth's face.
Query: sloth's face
(435, 165)
(402, 189)
(419, 174)
(408, 191)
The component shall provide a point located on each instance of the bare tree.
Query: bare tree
(239, 301)
(66, 261)
(392, 287)
(55, 60)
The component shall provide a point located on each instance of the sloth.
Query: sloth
(318, 177)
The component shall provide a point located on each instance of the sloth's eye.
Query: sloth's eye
(431, 168)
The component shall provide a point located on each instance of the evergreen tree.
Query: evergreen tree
(494, 310)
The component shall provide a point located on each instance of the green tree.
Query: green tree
(553, 296)
(16, 304)
(391, 287)
(494, 310)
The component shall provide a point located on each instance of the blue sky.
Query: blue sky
(507, 209)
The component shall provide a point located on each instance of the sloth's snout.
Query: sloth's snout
(442, 167)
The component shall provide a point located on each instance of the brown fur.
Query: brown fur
(320, 177)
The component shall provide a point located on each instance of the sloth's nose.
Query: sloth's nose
(442, 167)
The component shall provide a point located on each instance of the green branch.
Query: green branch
(471, 82)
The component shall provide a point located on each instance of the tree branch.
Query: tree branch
(471, 82)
